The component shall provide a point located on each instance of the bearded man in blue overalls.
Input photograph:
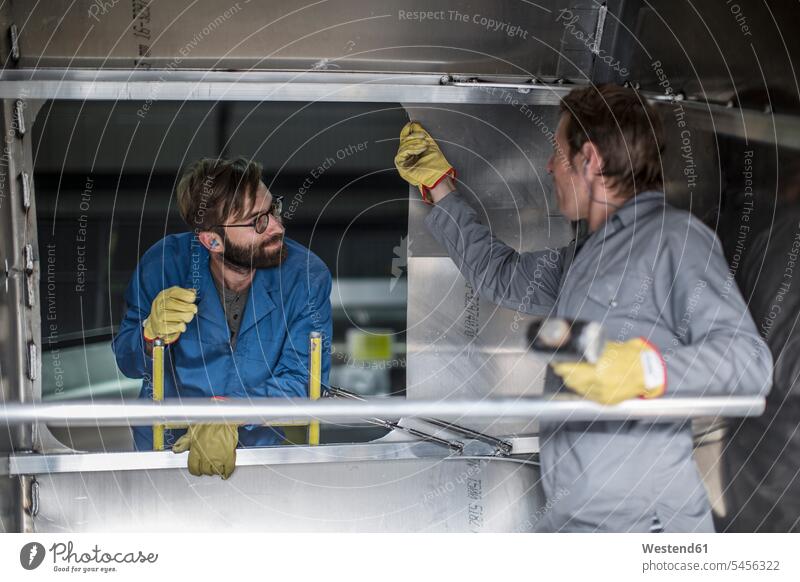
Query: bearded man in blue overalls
(234, 301)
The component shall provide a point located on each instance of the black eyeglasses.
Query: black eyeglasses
(261, 221)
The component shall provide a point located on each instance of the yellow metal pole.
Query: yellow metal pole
(158, 390)
(314, 380)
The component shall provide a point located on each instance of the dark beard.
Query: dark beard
(246, 258)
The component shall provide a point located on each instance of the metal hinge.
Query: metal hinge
(25, 186)
(28, 255)
(30, 500)
(524, 86)
(33, 361)
(27, 269)
(19, 117)
(14, 38)
(29, 264)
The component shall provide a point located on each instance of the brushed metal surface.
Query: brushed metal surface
(467, 36)
(257, 86)
(460, 346)
(712, 49)
(34, 464)
(415, 495)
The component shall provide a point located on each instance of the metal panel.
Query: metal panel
(74, 137)
(460, 346)
(690, 159)
(748, 125)
(713, 49)
(416, 495)
(10, 502)
(30, 464)
(483, 36)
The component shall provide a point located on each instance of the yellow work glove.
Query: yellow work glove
(625, 370)
(212, 449)
(172, 309)
(420, 161)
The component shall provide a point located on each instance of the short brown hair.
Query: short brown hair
(212, 190)
(626, 131)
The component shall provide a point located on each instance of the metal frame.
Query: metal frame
(21, 378)
(24, 418)
(19, 87)
(281, 455)
(20, 341)
(184, 85)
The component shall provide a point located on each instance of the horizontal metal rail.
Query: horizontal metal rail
(747, 124)
(35, 464)
(408, 88)
(184, 85)
(293, 410)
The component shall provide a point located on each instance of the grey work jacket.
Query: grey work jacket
(652, 271)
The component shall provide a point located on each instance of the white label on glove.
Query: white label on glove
(653, 370)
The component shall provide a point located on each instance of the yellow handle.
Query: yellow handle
(158, 390)
(314, 381)
(314, 388)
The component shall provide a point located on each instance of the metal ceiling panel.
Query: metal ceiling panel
(481, 37)
(714, 50)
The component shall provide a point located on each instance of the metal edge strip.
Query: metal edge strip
(34, 464)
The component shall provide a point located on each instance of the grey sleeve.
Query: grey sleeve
(717, 350)
(526, 282)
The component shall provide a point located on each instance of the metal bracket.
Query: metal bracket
(454, 446)
(598, 32)
(502, 448)
(14, 38)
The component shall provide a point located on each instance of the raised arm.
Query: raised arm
(526, 282)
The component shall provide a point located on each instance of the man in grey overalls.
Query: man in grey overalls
(652, 275)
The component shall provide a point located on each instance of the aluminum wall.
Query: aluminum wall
(460, 346)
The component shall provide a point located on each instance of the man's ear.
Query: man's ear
(592, 160)
(211, 241)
